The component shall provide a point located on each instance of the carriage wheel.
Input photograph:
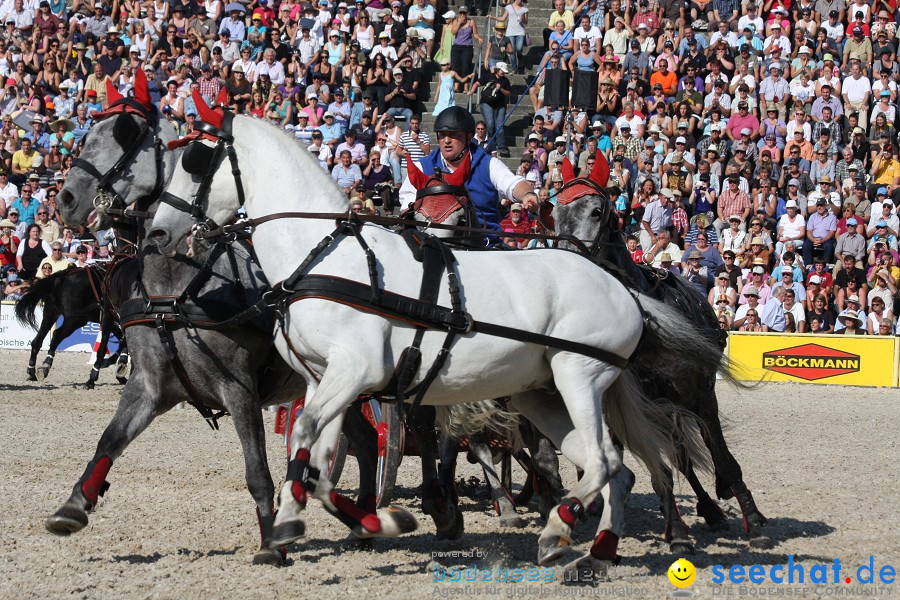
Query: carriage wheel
(391, 440)
(336, 461)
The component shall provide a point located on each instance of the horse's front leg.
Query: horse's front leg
(314, 434)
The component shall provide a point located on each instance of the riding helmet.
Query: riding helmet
(455, 118)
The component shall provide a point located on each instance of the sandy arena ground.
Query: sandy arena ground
(178, 522)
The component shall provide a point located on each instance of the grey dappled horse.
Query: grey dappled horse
(236, 368)
(584, 212)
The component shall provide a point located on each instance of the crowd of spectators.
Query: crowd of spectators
(741, 136)
(752, 145)
(347, 79)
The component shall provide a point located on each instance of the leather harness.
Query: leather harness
(423, 312)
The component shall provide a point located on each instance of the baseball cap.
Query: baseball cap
(852, 221)
(759, 271)
(881, 190)
(745, 131)
(790, 204)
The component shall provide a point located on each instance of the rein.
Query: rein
(242, 226)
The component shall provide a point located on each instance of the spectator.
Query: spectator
(346, 174)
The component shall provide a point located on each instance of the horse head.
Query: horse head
(584, 210)
(442, 198)
(122, 161)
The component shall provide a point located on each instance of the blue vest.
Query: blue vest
(481, 190)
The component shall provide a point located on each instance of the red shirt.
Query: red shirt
(638, 256)
(8, 257)
(523, 226)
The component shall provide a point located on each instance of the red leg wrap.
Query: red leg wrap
(351, 515)
(570, 509)
(93, 487)
(299, 493)
(605, 546)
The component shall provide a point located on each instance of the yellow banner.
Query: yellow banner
(814, 358)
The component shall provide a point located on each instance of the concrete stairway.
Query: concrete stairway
(520, 120)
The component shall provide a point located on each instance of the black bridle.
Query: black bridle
(108, 201)
(598, 248)
(224, 144)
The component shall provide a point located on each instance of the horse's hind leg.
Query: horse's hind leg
(46, 324)
(437, 499)
(545, 465)
(62, 332)
(100, 359)
(248, 422)
(503, 504)
(599, 459)
(676, 532)
(729, 478)
(707, 508)
(137, 408)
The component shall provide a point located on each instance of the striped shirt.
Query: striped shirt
(414, 149)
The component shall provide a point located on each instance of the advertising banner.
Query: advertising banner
(810, 358)
(16, 336)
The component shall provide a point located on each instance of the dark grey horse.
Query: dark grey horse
(592, 217)
(234, 369)
(251, 371)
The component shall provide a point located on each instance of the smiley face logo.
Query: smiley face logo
(682, 573)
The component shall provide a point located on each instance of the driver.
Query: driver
(489, 177)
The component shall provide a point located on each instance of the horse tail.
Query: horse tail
(643, 426)
(671, 346)
(42, 290)
(460, 421)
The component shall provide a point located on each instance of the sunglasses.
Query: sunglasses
(42, 213)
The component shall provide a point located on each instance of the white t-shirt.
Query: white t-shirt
(593, 35)
(514, 22)
(856, 88)
(790, 229)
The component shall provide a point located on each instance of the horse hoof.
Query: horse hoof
(89, 385)
(269, 556)
(396, 521)
(762, 542)
(122, 380)
(549, 554)
(42, 373)
(66, 521)
(287, 533)
(512, 522)
(453, 530)
(122, 371)
(30, 375)
(681, 547)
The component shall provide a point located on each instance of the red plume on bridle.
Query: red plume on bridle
(417, 178)
(600, 172)
(222, 99)
(207, 114)
(141, 90)
(112, 94)
(568, 172)
(458, 177)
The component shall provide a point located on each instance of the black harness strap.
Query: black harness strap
(419, 313)
(168, 344)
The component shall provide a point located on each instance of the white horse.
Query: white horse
(345, 351)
